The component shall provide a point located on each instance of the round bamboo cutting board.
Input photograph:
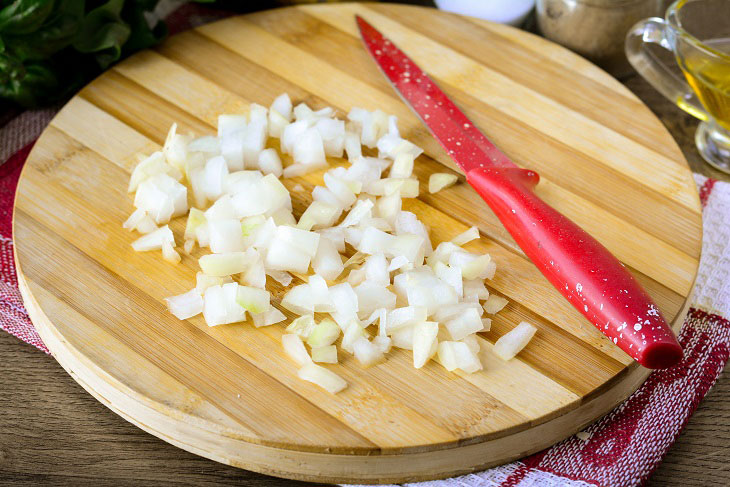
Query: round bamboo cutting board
(228, 392)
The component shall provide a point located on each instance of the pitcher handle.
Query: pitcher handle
(656, 31)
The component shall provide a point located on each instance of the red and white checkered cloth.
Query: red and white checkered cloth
(621, 449)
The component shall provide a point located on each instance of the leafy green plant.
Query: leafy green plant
(49, 48)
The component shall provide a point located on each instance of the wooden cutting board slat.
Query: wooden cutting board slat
(229, 392)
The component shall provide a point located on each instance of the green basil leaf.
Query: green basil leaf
(103, 32)
(37, 82)
(25, 16)
(56, 33)
(141, 36)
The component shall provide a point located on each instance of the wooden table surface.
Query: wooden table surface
(53, 433)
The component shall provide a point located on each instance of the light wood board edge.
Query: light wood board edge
(323, 467)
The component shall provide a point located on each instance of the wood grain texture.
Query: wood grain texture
(210, 390)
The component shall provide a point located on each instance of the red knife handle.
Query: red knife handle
(583, 270)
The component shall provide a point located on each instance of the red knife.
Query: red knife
(582, 269)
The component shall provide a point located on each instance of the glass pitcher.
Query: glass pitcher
(698, 33)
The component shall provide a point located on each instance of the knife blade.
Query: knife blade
(584, 271)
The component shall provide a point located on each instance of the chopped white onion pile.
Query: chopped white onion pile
(430, 301)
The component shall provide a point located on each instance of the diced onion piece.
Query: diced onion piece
(472, 342)
(442, 253)
(399, 318)
(295, 349)
(511, 343)
(353, 146)
(327, 261)
(226, 236)
(303, 326)
(402, 167)
(240, 181)
(176, 148)
(308, 149)
(324, 378)
(188, 245)
(494, 304)
(216, 170)
(465, 324)
(284, 216)
(257, 113)
(186, 305)
(451, 276)
(203, 281)
(441, 180)
(291, 133)
(232, 150)
(424, 342)
(270, 317)
(333, 135)
(251, 225)
(225, 264)
(302, 240)
(270, 163)
(265, 197)
(408, 187)
(320, 193)
(254, 141)
(154, 240)
(336, 235)
(375, 241)
(423, 288)
(162, 198)
(277, 123)
(384, 343)
(408, 245)
(467, 236)
(457, 355)
(282, 256)
(202, 235)
(220, 306)
(195, 219)
(371, 296)
(229, 124)
(341, 190)
(472, 266)
(365, 170)
(398, 262)
(366, 352)
(197, 183)
(357, 213)
(222, 209)
(151, 166)
(255, 275)
(319, 214)
(376, 269)
(208, 144)
(297, 300)
(486, 324)
(388, 207)
(169, 253)
(403, 338)
(326, 354)
(346, 304)
(474, 290)
(445, 313)
(253, 299)
(324, 333)
(134, 219)
(283, 105)
(353, 332)
(282, 277)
